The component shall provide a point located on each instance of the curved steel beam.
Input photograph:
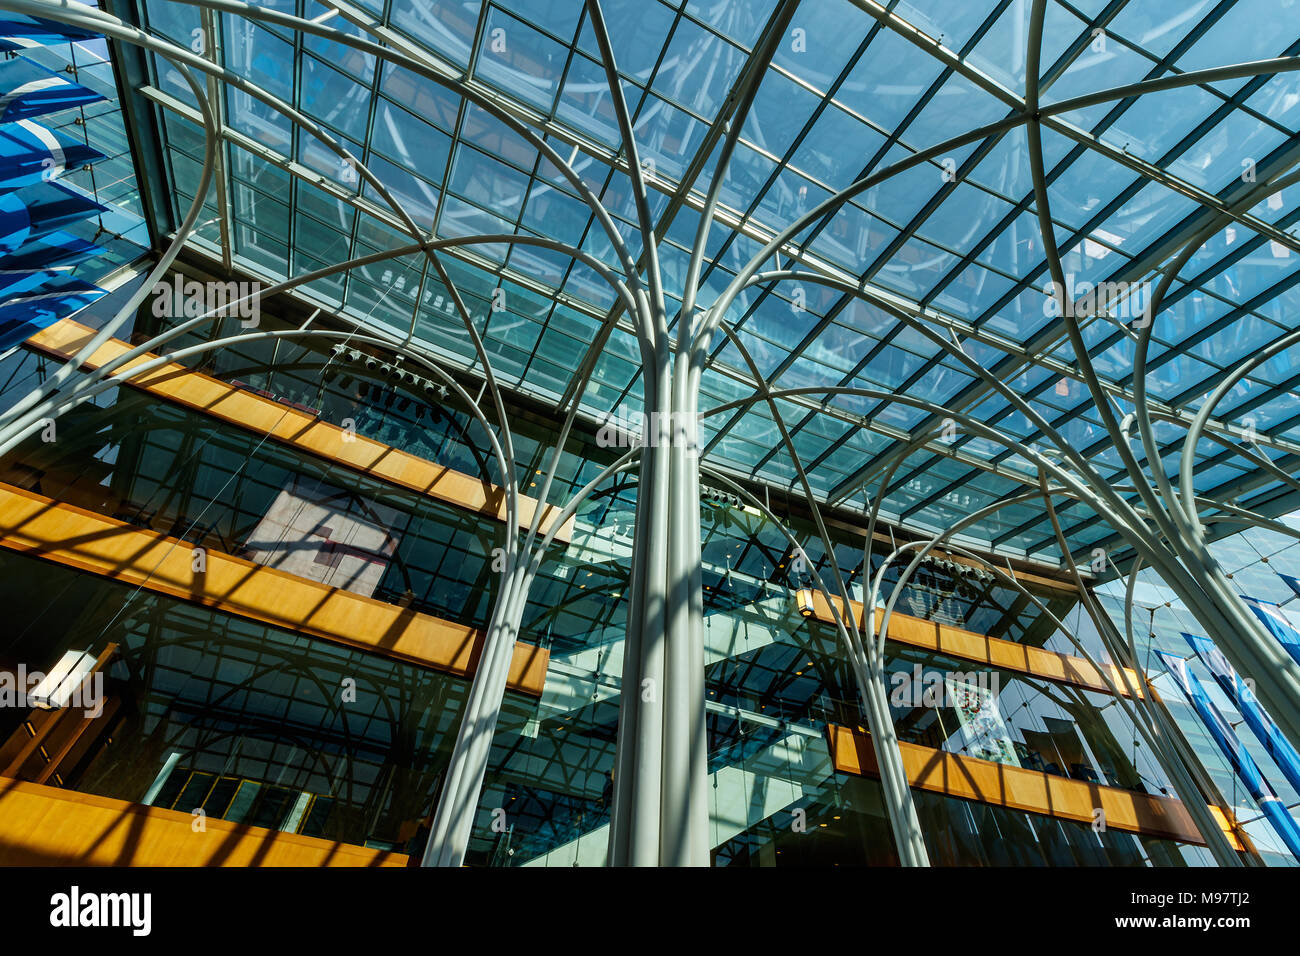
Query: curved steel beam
(904, 822)
(211, 142)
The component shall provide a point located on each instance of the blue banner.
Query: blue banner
(31, 154)
(52, 206)
(30, 90)
(1243, 698)
(17, 282)
(1242, 762)
(18, 31)
(24, 315)
(37, 251)
(1276, 621)
(52, 249)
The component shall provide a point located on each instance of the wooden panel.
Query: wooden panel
(992, 651)
(262, 416)
(46, 826)
(984, 781)
(37, 526)
(86, 734)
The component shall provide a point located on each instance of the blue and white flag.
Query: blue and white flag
(53, 249)
(31, 90)
(24, 316)
(1275, 619)
(15, 223)
(31, 154)
(38, 253)
(1291, 582)
(51, 206)
(1242, 762)
(18, 32)
(18, 282)
(1243, 698)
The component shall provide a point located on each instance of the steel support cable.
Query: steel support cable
(906, 826)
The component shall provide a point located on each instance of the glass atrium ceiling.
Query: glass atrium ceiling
(853, 88)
